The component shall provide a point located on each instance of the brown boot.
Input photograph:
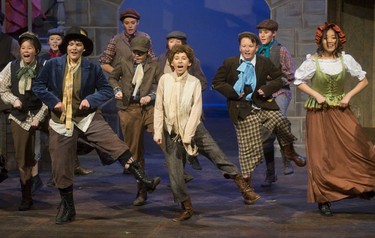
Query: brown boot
(248, 193)
(141, 198)
(290, 154)
(187, 211)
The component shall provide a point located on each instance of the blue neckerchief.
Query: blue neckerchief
(246, 77)
(265, 49)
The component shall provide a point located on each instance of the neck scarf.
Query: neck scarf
(25, 74)
(137, 78)
(246, 77)
(68, 93)
(265, 49)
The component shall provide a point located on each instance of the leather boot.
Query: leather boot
(248, 193)
(27, 201)
(67, 211)
(36, 183)
(271, 176)
(290, 154)
(187, 211)
(140, 175)
(141, 197)
(78, 170)
(288, 167)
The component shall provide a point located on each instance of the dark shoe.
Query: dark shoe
(187, 211)
(25, 205)
(290, 154)
(36, 183)
(141, 198)
(288, 167)
(248, 193)
(194, 162)
(66, 210)
(27, 201)
(325, 209)
(269, 180)
(3, 174)
(140, 175)
(367, 195)
(82, 171)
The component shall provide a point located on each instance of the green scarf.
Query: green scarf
(24, 74)
(265, 49)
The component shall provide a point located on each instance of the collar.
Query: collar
(253, 61)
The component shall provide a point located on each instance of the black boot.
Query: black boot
(141, 198)
(27, 201)
(3, 170)
(36, 183)
(67, 211)
(271, 176)
(140, 175)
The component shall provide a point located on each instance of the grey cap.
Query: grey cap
(177, 34)
(140, 43)
(56, 31)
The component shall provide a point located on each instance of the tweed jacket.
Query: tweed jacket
(227, 75)
(94, 86)
(122, 76)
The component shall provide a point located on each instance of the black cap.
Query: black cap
(250, 35)
(30, 36)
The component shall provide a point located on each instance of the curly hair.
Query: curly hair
(181, 49)
(321, 33)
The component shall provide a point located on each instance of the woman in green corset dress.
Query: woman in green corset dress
(341, 158)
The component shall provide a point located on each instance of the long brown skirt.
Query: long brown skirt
(341, 158)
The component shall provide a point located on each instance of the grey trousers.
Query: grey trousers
(207, 146)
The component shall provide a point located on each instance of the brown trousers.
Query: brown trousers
(24, 143)
(63, 149)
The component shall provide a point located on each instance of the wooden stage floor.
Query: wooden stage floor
(104, 204)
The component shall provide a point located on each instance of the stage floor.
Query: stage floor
(104, 203)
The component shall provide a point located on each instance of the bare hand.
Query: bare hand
(118, 96)
(344, 102)
(17, 104)
(35, 123)
(320, 99)
(158, 141)
(145, 100)
(59, 107)
(84, 105)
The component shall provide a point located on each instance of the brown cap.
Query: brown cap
(129, 12)
(140, 43)
(268, 24)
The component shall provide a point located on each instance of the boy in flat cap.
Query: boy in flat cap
(119, 45)
(248, 81)
(73, 88)
(134, 82)
(281, 58)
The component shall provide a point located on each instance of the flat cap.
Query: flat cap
(56, 31)
(177, 34)
(268, 24)
(129, 12)
(140, 43)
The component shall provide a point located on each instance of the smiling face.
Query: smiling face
(28, 51)
(248, 48)
(180, 63)
(75, 50)
(130, 25)
(266, 35)
(330, 42)
(54, 41)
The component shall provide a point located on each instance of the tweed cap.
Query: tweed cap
(268, 24)
(129, 12)
(140, 43)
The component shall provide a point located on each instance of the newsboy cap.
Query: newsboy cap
(268, 24)
(129, 12)
(176, 34)
(140, 43)
(33, 37)
(55, 31)
(249, 35)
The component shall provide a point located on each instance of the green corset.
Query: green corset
(330, 86)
